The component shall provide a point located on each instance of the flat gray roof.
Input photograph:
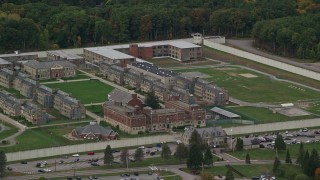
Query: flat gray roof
(64, 54)
(224, 112)
(109, 53)
(2, 61)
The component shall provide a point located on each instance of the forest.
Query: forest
(285, 27)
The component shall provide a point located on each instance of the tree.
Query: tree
(152, 100)
(166, 152)
(276, 165)
(108, 156)
(288, 158)
(138, 155)
(181, 152)
(208, 158)
(229, 174)
(195, 158)
(239, 145)
(206, 176)
(301, 177)
(312, 164)
(279, 143)
(305, 161)
(300, 156)
(195, 138)
(248, 159)
(3, 164)
(124, 156)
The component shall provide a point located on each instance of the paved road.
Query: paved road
(11, 139)
(246, 45)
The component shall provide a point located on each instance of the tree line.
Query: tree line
(45, 24)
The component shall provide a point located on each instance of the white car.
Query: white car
(141, 147)
(47, 170)
(75, 155)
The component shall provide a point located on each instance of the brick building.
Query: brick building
(49, 69)
(63, 55)
(9, 104)
(132, 118)
(166, 76)
(94, 131)
(6, 77)
(113, 72)
(45, 96)
(34, 114)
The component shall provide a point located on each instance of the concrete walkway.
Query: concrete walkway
(11, 139)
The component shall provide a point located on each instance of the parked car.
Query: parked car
(38, 164)
(47, 170)
(9, 168)
(90, 153)
(75, 155)
(305, 130)
(24, 162)
(41, 170)
(94, 164)
(136, 173)
(61, 162)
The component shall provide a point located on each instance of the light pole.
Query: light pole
(231, 140)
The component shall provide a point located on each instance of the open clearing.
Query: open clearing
(258, 89)
(263, 115)
(91, 91)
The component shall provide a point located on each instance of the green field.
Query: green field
(96, 109)
(91, 91)
(314, 108)
(255, 170)
(257, 89)
(269, 154)
(8, 132)
(45, 137)
(263, 115)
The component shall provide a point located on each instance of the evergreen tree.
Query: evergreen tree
(208, 158)
(276, 165)
(152, 100)
(195, 138)
(288, 158)
(195, 158)
(108, 156)
(138, 155)
(124, 156)
(305, 161)
(166, 152)
(3, 164)
(279, 143)
(248, 159)
(181, 152)
(312, 164)
(239, 145)
(229, 175)
(300, 156)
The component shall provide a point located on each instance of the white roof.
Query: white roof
(109, 53)
(287, 105)
(64, 54)
(224, 112)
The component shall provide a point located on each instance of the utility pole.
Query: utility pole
(55, 165)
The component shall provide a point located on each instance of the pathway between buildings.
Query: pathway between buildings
(11, 139)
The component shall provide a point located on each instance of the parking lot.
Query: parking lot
(267, 140)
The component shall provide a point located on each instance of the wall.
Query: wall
(263, 60)
(38, 153)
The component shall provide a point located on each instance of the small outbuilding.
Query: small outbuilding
(218, 113)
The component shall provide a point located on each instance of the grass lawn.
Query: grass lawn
(96, 109)
(314, 108)
(13, 92)
(215, 54)
(45, 137)
(8, 132)
(269, 154)
(91, 91)
(258, 89)
(78, 76)
(253, 170)
(263, 115)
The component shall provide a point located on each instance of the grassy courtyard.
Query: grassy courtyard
(48, 136)
(269, 154)
(7, 132)
(256, 87)
(91, 91)
(263, 115)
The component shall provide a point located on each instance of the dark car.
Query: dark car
(24, 162)
(122, 175)
(136, 173)
(95, 177)
(38, 164)
(115, 151)
(127, 174)
(78, 178)
(95, 160)
(41, 170)
(69, 178)
(152, 153)
(9, 168)
(94, 164)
